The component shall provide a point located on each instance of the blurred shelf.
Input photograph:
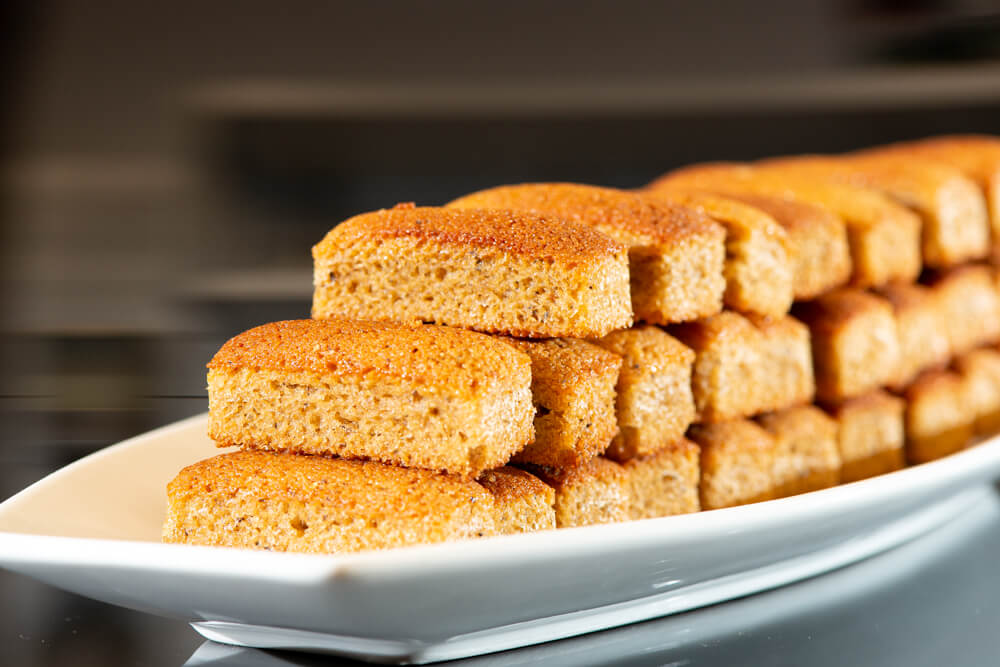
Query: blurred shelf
(882, 87)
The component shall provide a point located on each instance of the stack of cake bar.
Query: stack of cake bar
(546, 356)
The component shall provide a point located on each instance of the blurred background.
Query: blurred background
(166, 167)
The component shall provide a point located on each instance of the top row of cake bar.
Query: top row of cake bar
(545, 260)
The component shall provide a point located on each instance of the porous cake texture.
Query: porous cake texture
(971, 304)
(676, 255)
(592, 493)
(807, 457)
(412, 395)
(573, 388)
(758, 268)
(977, 156)
(884, 237)
(747, 366)
(980, 371)
(654, 402)
(922, 326)
(955, 225)
(855, 344)
(490, 270)
(314, 504)
(870, 435)
(522, 503)
(817, 243)
(737, 463)
(665, 482)
(938, 419)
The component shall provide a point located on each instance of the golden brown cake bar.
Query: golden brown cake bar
(664, 483)
(807, 457)
(952, 208)
(883, 236)
(676, 255)
(414, 395)
(922, 326)
(737, 463)
(654, 401)
(747, 366)
(492, 271)
(758, 268)
(978, 156)
(855, 345)
(939, 420)
(285, 502)
(522, 503)
(573, 388)
(592, 493)
(870, 435)
(817, 241)
(980, 370)
(971, 304)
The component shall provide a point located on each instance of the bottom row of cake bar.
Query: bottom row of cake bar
(294, 502)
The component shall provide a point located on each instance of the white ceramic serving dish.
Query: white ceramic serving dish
(93, 528)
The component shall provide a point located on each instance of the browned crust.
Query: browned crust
(509, 483)
(359, 488)
(518, 233)
(830, 312)
(624, 215)
(427, 355)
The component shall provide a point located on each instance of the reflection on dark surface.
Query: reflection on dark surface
(165, 168)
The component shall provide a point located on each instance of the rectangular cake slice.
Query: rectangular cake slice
(745, 366)
(489, 270)
(592, 493)
(573, 389)
(955, 228)
(676, 255)
(665, 482)
(758, 268)
(922, 326)
(870, 435)
(654, 403)
(315, 504)
(939, 420)
(522, 503)
(817, 241)
(855, 344)
(980, 370)
(806, 457)
(737, 463)
(884, 237)
(413, 395)
(971, 304)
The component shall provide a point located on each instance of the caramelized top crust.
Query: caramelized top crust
(733, 435)
(564, 358)
(832, 310)
(626, 216)
(680, 448)
(976, 155)
(858, 206)
(453, 360)
(598, 469)
(904, 296)
(727, 325)
(877, 400)
(934, 381)
(519, 233)
(349, 488)
(508, 483)
(788, 212)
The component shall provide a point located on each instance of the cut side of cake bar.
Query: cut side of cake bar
(314, 504)
(488, 270)
(654, 403)
(870, 435)
(665, 482)
(676, 255)
(522, 503)
(938, 416)
(737, 463)
(592, 493)
(412, 395)
(807, 457)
